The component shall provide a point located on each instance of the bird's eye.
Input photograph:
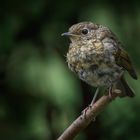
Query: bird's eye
(85, 31)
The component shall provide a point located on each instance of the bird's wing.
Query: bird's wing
(123, 60)
(121, 56)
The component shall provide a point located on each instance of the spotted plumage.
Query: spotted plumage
(96, 56)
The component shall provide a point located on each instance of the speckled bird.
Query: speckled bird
(96, 55)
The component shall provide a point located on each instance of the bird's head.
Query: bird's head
(81, 32)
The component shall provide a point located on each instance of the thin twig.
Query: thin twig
(82, 122)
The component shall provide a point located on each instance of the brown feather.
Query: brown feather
(123, 60)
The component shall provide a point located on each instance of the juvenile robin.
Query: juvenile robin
(96, 55)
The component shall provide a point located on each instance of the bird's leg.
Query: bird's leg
(94, 97)
(110, 92)
(92, 102)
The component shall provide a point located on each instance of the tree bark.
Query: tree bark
(85, 119)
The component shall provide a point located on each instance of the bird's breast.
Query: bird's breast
(85, 55)
(93, 64)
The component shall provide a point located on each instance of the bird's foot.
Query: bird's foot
(92, 103)
(84, 112)
(84, 115)
(117, 91)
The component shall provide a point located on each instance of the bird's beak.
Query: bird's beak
(69, 34)
(66, 34)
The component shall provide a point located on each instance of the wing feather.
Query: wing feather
(123, 60)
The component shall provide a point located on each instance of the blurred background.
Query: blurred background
(39, 95)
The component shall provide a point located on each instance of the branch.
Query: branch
(83, 121)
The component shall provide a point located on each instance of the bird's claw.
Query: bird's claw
(85, 110)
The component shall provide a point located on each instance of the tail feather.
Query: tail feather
(124, 87)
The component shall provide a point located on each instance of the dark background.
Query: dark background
(39, 96)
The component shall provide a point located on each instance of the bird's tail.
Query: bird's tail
(124, 87)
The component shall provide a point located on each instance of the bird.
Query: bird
(98, 57)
